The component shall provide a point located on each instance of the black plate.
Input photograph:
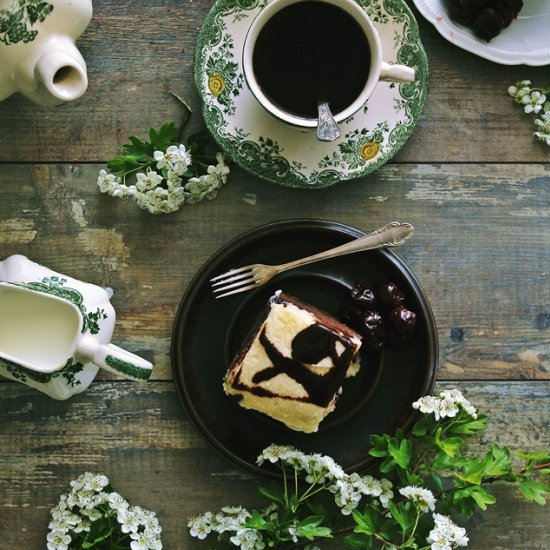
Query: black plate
(208, 332)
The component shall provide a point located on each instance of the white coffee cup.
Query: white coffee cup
(379, 69)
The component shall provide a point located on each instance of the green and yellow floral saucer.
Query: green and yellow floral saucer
(288, 156)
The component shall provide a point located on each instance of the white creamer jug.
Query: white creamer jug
(55, 331)
(38, 55)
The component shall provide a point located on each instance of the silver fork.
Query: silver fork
(255, 275)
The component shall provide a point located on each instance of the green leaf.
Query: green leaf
(388, 464)
(420, 428)
(167, 135)
(466, 500)
(358, 541)
(199, 140)
(257, 521)
(449, 445)
(534, 490)
(137, 147)
(311, 528)
(366, 522)
(379, 445)
(273, 492)
(437, 480)
(124, 164)
(404, 515)
(469, 426)
(100, 530)
(401, 452)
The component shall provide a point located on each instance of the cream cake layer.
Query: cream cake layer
(293, 366)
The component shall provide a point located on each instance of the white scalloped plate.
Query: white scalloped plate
(525, 42)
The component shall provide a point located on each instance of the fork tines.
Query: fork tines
(233, 281)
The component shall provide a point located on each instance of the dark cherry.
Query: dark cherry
(390, 295)
(372, 329)
(363, 295)
(401, 320)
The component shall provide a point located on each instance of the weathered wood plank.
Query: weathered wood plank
(133, 65)
(481, 249)
(138, 435)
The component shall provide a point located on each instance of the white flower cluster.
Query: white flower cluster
(446, 535)
(534, 101)
(320, 470)
(167, 191)
(228, 520)
(423, 498)
(348, 489)
(86, 502)
(448, 404)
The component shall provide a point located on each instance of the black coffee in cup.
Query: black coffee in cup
(310, 52)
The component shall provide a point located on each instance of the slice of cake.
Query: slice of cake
(293, 366)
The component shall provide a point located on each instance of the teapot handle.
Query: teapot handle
(115, 359)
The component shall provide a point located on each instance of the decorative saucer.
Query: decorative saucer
(288, 156)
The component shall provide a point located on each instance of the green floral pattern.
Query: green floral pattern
(286, 155)
(68, 372)
(17, 21)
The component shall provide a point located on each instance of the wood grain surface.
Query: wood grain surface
(472, 180)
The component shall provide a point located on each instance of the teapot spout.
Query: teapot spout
(60, 75)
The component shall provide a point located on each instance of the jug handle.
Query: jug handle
(115, 359)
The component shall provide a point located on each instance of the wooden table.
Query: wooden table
(472, 180)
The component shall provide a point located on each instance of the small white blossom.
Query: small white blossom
(200, 526)
(520, 89)
(424, 498)
(533, 102)
(148, 181)
(387, 494)
(117, 501)
(446, 535)
(145, 540)
(129, 522)
(275, 453)
(58, 541)
(175, 158)
(427, 404)
(543, 124)
(447, 405)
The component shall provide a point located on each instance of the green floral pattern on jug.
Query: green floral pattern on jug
(285, 155)
(17, 20)
(68, 372)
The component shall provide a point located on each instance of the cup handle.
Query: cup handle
(397, 73)
(115, 360)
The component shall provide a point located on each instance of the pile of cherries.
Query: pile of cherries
(380, 315)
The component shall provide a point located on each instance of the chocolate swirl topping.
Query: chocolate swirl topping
(309, 346)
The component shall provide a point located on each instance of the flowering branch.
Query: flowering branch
(396, 510)
(534, 101)
(92, 516)
(162, 174)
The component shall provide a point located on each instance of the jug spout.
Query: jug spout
(61, 76)
(53, 75)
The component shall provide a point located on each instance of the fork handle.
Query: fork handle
(392, 234)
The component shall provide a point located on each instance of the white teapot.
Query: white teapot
(38, 55)
(55, 331)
